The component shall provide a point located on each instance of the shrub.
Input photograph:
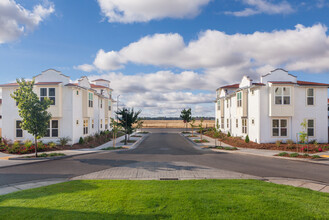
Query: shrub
(315, 156)
(278, 143)
(16, 144)
(228, 134)
(283, 154)
(81, 141)
(294, 155)
(28, 143)
(247, 139)
(64, 141)
(318, 149)
(306, 155)
(289, 142)
(52, 144)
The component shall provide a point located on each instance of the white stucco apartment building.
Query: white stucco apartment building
(78, 110)
(274, 108)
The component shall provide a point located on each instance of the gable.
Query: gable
(278, 75)
(51, 75)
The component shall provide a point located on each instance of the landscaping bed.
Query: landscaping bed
(238, 142)
(113, 148)
(201, 141)
(27, 147)
(44, 155)
(188, 199)
(297, 155)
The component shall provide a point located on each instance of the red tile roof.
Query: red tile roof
(98, 86)
(38, 84)
(328, 101)
(101, 80)
(304, 83)
(233, 86)
(281, 82)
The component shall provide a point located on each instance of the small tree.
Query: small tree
(116, 127)
(247, 140)
(192, 124)
(127, 117)
(218, 134)
(201, 128)
(33, 111)
(303, 134)
(140, 124)
(186, 115)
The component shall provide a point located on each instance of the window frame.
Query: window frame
(51, 129)
(18, 129)
(222, 122)
(47, 95)
(244, 125)
(90, 100)
(239, 99)
(311, 119)
(85, 126)
(282, 95)
(279, 128)
(237, 123)
(218, 105)
(307, 97)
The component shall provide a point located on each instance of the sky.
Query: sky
(165, 55)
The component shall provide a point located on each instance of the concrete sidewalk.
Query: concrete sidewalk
(11, 160)
(251, 151)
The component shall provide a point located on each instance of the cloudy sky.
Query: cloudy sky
(165, 55)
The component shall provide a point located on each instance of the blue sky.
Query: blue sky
(162, 56)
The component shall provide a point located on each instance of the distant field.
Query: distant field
(174, 123)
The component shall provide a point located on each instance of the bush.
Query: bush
(294, 155)
(315, 156)
(283, 154)
(228, 134)
(52, 144)
(64, 141)
(278, 143)
(247, 139)
(81, 141)
(306, 155)
(318, 149)
(28, 143)
(289, 142)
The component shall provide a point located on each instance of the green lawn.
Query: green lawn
(195, 199)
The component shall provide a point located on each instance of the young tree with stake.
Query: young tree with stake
(33, 111)
(186, 115)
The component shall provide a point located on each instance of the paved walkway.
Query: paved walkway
(251, 151)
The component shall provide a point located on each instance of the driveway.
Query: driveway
(167, 151)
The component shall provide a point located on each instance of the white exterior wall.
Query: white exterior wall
(68, 103)
(261, 106)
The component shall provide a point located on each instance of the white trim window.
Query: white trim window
(239, 99)
(52, 130)
(279, 127)
(218, 105)
(101, 123)
(227, 103)
(282, 95)
(244, 126)
(310, 96)
(110, 105)
(48, 92)
(222, 123)
(101, 103)
(106, 124)
(90, 100)
(310, 127)
(237, 123)
(92, 124)
(19, 130)
(85, 126)
(228, 123)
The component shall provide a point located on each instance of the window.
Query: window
(227, 103)
(77, 122)
(279, 128)
(106, 124)
(19, 130)
(101, 123)
(85, 126)
(222, 123)
(310, 128)
(310, 96)
(244, 126)
(110, 105)
(218, 105)
(91, 100)
(50, 93)
(236, 123)
(282, 96)
(52, 130)
(252, 92)
(228, 123)
(101, 103)
(239, 99)
(77, 92)
(92, 124)
(253, 121)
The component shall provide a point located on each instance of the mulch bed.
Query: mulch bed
(238, 142)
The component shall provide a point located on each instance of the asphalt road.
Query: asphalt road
(165, 147)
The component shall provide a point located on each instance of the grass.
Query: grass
(226, 148)
(112, 148)
(48, 155)
(192, 199)
(201, 141)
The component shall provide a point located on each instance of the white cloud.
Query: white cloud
(85, 67)
(15, 20)
(263, 7)
(129, 11)
(215, 49)
(208, 62)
